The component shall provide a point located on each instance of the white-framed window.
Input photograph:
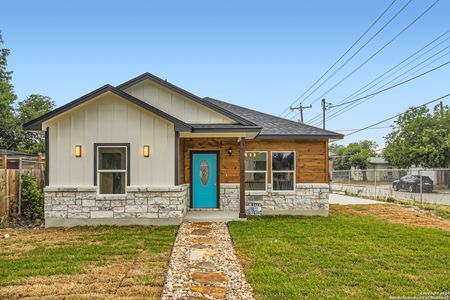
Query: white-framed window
(112, 169)
(283, 170)
(255, 170)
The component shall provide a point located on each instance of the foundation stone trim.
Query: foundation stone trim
(151, 205)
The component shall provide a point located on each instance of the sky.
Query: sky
(258, 54)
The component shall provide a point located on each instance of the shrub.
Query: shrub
(32, 199)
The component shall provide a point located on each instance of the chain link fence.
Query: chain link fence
(417, 184)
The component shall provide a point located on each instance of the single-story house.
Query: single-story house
(377, 166)
(147, 152)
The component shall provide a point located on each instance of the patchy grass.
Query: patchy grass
(439, 210)
(354, 253)
(85, 262)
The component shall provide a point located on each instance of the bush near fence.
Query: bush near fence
(10, 186)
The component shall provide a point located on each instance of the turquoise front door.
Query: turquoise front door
(204, 180)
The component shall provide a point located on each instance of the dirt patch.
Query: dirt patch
(21, 241)
(393, 214)
(100, 273)
(138, 279)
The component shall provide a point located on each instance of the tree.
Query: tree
(12, 135)
(355, 155)
(9, 137)
(32, 107)
(420, 138)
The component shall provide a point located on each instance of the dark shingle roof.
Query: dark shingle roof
(273, 126)
(225, 127)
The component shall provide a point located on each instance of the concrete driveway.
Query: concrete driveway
(348, 200)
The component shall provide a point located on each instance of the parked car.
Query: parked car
(411, 183)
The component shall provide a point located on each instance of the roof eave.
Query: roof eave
(253, 129)
(298, 137)
(36, 124)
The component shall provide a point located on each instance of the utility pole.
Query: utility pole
(325, 105)
(301, 108)
(442, 109)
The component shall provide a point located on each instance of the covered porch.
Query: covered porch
(214, 169)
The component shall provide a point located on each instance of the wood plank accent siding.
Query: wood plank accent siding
(312, 157)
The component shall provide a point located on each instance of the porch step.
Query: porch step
(212, 216)
(205, 209)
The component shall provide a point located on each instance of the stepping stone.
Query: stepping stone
(202, 240)
(197, 254)
(206, 265)
(209, 277)
(201, 225)
(216, 292)
(199, 246)
(202, 231)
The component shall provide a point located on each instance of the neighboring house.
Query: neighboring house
(379, 166)
(147, 152)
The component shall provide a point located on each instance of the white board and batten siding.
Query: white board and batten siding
(176, 105)
(111, 119)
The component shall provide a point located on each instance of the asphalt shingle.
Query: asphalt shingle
(273, 125)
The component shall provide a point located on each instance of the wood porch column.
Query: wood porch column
(242, 178)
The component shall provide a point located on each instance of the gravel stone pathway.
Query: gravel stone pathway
(203, 265)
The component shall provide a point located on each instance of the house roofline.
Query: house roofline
(298, 137)
(36, 124)
(185, 93)
(239, 129)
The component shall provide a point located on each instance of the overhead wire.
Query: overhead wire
(397, 115)
(385, 75)
(342, 56)
(378, 51)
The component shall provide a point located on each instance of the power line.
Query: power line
(362, 47)
(342, 56)
(353, 105)
(380, 90)
(359, 91)
(397, 115)
(393, 86)
(343, 130)
(381, 49)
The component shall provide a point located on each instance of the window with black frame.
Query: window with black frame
(111, 169)
(283, 171)
(255, 171)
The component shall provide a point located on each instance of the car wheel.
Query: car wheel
(396, 188)
(411, 188)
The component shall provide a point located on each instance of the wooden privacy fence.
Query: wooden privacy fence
(10, 188)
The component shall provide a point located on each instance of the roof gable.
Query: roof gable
(36, 124)
(148, 76)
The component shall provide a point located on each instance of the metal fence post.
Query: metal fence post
(375, 171)
(20, 187)
(421, 183)
(349, 177)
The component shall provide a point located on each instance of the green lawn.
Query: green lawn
(91, 261)
(341, 256)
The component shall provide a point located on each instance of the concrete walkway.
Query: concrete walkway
(348, 200)
(203, 265)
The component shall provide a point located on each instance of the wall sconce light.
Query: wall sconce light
(78, 151)
(230, 151)
(146, 150)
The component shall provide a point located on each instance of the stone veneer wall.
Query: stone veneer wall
(308, 199)
(71, 206)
